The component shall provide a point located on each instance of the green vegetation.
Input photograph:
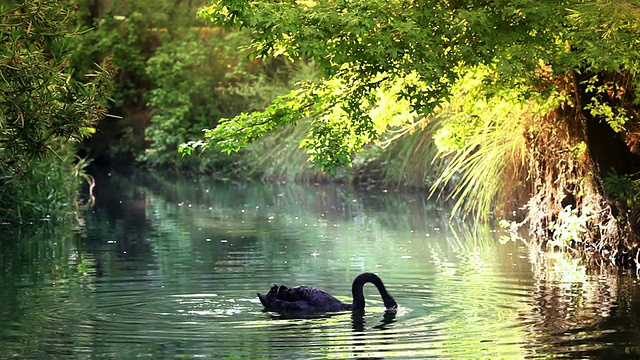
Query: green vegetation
(175, 76)
(513, 105)
(485, 157)
(44, 110)
(541, 99)
(46, 189)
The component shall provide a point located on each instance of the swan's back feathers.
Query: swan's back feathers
(302, 297)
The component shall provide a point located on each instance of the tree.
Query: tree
(561, 76)
(42, 106)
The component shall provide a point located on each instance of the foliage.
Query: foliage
(120, 40)
(600, 106)
(47, 188)
(606, 32)
(366, 46)
(571, 226)
(333, 136)
(42, 108)
(277, 156)
(484, 141)
(40, 100)
(179, 97)
(527, 59)
(127, 33)
(624, 188)
(197, 78)
(175, 76)
(402, 157)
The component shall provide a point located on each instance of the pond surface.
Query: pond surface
(166, 269)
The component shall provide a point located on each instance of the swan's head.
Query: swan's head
(390, 304)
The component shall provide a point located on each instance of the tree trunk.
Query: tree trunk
(570, 152)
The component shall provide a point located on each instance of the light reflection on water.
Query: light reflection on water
(171, 271)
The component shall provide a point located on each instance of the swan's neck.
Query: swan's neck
(357, 290)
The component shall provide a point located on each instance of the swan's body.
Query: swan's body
(313, 299)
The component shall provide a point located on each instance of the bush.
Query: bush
(175, 77)
(196, 79)
(43, 189)
(44, 112)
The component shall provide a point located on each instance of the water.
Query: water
(169, 269)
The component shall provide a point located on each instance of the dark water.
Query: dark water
(169, 269)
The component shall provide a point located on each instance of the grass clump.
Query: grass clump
(43, 189)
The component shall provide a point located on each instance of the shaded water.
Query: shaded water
(169, 269)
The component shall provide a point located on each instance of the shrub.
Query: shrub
(44, 112)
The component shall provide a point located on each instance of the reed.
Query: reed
(402, 159)
(43, 189)
(482, 147)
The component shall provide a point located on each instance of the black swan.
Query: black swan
(313, 299)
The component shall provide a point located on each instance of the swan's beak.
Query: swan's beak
(393, 308)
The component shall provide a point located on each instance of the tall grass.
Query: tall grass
(483, 139)
(488, 170)
(279, 157)
(407, 161)
(43, 189)
(402, 159)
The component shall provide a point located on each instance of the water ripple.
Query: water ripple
(172, 281)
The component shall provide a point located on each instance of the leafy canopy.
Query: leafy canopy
(367, 46)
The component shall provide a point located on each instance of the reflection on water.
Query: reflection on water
(170, 269)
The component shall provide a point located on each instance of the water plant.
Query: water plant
(569, 228)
